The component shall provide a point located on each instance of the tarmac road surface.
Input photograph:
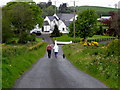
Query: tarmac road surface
(56, 73)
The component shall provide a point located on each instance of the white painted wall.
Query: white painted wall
(61, 26)
(47, 19)
(46, 28)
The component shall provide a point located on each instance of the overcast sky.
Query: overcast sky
(104, 3)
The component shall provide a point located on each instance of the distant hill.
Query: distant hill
(99, 10)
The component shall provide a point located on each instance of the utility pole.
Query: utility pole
(74, 21)
(55, 8)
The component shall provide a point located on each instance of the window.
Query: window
(63, 29)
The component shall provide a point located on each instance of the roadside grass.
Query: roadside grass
(97, 37)
(38, 39)
(16, 61)
(94, 61)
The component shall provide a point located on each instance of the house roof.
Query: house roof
(51, 18)
(67, 23)
(65, 17)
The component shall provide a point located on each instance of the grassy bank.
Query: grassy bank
(94, 61)
(18, 59)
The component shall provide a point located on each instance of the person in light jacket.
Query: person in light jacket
(56, 49)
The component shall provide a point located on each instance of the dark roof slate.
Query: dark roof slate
(67, 23)
(65, 17)
(51, 18)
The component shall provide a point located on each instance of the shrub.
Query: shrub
(31, 37)
(93, 43)
(56, 32)
(113, 46)
(23, 38)
(9, 51)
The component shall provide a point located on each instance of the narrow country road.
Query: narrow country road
(56, 73)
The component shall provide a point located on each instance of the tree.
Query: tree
(0, 24)
(6, 32)
(64, 9)
(86, 24)
(37, 12)
(6, 27)
(71, 33)
(56, 32)
(24, 16)
(114, 24)
(49, 11)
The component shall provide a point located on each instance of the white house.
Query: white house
(104, 18)
(61, 20)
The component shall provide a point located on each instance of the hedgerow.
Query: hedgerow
(18, 59)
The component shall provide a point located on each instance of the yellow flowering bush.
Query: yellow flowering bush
(85, 44)
(93, 43)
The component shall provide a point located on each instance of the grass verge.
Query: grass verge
(95, 62)
(14, 65)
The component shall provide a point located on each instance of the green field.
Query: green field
(99, 10)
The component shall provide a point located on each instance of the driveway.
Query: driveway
(56, 73)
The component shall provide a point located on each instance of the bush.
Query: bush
(9, 51)
(23, 38)
(32, 37)
(113, 47)
(56, 32)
